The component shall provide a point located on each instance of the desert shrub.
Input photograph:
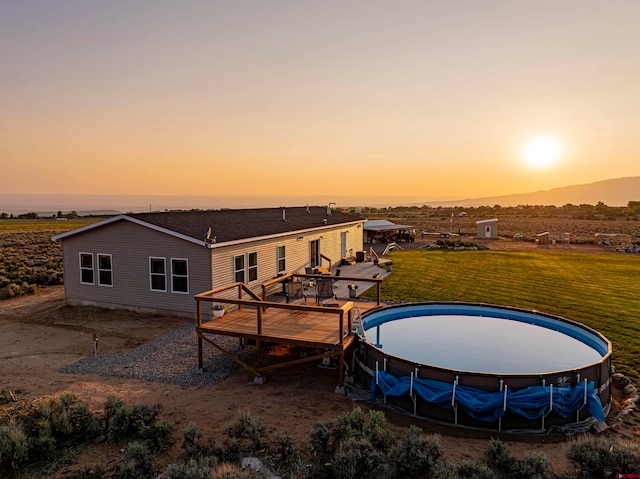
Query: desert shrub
(116, 413)
(84, 424)
(192, 436)
(286, 457)
(326, 437)
(231, 471)
(355, 457)
(14, 445)
(376, 431)
(246, 426)
(191, 469)
(470, 469)
(122, 421)
(95, 472)
(504, 465)
(534, 466)
(599, 457)
(320, 436)
(349, 425)
(499, 457)
(13, 290)
(28, 260)
(156, 435)
(137, 462)
(416, 455)
(53, 423)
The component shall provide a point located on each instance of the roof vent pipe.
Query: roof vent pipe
(308, 210)
(284, 215)
(329, 208)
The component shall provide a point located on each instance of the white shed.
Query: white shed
(487, 228)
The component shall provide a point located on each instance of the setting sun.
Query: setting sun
(542, 152)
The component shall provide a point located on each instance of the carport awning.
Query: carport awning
(384, 225)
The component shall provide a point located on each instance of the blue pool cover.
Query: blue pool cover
(531, 402)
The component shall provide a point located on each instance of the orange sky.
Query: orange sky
(424, 99)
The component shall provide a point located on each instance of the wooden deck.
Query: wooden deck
(325, 328)
(305, 328)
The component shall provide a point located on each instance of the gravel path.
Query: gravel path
(172, 358)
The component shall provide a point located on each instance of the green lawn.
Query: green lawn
(599, 290)
(45, 224)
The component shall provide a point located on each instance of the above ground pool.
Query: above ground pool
(485, 366)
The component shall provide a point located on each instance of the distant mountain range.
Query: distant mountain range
(614, 192)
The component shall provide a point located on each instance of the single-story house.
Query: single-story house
(487, 228)
(383, 231)
(157, 262)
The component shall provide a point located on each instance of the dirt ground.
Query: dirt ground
(39, 334)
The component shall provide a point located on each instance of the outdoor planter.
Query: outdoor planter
(218, 310)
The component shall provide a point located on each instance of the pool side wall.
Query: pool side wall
(369, 356)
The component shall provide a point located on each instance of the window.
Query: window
(157, 273)
(253, 267)
(179, 275)
(238, 268)
(245, 270)
(282, 264)
(86, 268)
(105, 271)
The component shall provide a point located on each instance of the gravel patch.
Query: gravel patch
(172, 358)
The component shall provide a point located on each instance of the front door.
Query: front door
(487, 231)
(314, 253)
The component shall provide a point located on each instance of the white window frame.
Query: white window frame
(151, 274)
(242, 270)
(84, 268)
(250, 268)
(110, 270)
(282, 258)
(246, 269)
(186, 276)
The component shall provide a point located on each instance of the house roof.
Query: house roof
(231, 225)
(384, 225)
(486, 221)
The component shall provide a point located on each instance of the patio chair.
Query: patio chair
(296, 293)
(324, 290)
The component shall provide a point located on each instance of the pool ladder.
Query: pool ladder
(356, 322)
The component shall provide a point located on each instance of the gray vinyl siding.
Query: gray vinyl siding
(297, 254)
(130, 247)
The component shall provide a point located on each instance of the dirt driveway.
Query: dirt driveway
(39, 334)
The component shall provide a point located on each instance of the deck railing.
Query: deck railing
(327, 258)
(292, 276)
(260, 305)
